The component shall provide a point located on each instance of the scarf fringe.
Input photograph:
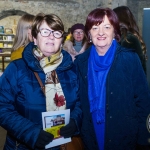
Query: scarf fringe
(100, 116)
(100, 111)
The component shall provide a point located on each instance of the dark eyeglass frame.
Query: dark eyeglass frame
(51, 31)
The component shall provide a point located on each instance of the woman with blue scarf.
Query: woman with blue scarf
(114, 93)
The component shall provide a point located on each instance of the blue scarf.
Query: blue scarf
(98, 67)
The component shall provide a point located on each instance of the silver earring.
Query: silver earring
(90, 40)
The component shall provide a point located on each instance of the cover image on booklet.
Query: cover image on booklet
(52, 122)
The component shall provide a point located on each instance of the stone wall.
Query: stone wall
(70, 11)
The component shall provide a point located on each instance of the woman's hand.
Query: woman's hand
(43, 139)
(69, 129)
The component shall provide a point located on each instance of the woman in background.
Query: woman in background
(78, 42)
(23, 36)
(130, 36)
(68, 35)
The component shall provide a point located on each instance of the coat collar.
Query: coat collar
(82, 61)
(84, 56)
(34, 64)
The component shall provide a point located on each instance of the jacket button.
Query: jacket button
(111, 92)
(85, 76)
(109, 140)
(110, 117)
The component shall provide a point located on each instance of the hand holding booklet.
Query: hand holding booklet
(52, 122)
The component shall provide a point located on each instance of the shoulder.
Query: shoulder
(15, 70)
(132, 37)
(65, 53)
(17, 53)
(83, 57)
(131, 41)
(66, 62)
(16, 65)
(68, 43)
(126, 55)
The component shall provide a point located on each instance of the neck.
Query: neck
(101, 50)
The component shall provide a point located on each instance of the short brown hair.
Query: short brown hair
(52, 20)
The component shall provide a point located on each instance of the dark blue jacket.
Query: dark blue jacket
(127, 102)
(22, 100)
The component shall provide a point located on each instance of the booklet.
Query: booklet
(52, 122)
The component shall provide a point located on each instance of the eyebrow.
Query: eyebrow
(106, 24)
(46, 29)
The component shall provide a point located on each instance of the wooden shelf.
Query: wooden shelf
(6, 41)
(4, 58)
(5, 34)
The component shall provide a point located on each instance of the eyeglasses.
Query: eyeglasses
(76, 32)
(47, 32)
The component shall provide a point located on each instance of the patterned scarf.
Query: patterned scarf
(98, 67)
(55, 99)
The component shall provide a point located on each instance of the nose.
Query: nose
(51, 36)
(101, 31)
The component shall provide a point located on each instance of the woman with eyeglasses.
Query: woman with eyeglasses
(43, 80)
(23, 36)
(78, 42)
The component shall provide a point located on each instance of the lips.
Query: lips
(51, 44)
(101, 38)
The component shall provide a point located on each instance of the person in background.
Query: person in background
(130, 36)
(23, 36)
(23, 98)
(114, 93)
(78, 42)
(68, 35)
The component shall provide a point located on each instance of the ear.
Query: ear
(35, 41)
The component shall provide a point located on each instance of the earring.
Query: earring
(90, 40)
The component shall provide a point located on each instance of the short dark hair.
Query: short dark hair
(96, 17)
(52, 20)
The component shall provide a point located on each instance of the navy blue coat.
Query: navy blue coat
(127, 102)
(22, 100)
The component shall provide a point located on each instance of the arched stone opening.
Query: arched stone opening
(12, 12)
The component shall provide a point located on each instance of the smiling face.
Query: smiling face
(102, 36)
(47, 45)
(78, 35)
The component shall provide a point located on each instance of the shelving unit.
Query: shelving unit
(6, 43)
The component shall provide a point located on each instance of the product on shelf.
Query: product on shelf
(8, 31)
(1, 29)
